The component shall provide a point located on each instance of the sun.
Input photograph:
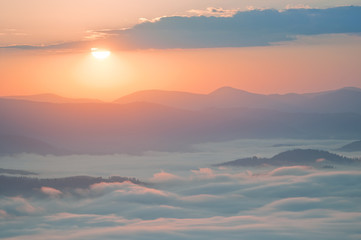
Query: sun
(100, 53)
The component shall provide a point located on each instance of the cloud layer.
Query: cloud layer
(251, 28)
(305, 203)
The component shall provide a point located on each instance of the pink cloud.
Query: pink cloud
(22, 205)
(52, 192)
(200, 197)
(213, 11)
(125, 188)
(320, 160)
(165, 177)
(204, 173)
(3, 214)
(292, 170)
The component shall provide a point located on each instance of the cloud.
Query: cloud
(297, 6)
(242, 203)
(208, 203)
(293, 170)
(17, 206)
(204, 173)
(224, 28)
(3, 214)
(295, 204)
(242, 29)
(213, 11)
(165, 177)
(12, 32)
(52, 192)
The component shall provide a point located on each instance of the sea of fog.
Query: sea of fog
(187, 198)
(146, 165)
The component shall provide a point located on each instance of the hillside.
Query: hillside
(16, 172)
(102, 128)
(335, 101)
(13, 144)
(352, 147)
(174, 99)
(294, 157)
(13, 186)
(51, 98)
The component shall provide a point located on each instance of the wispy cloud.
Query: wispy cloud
(213, 11)
(12, 32)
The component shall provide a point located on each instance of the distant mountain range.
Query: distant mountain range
(51, 98)
(10, 144)
(173, 121)
(309, 157)
(352, 147)
(336, 101)
(16, 172)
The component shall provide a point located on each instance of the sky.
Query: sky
(196, 46)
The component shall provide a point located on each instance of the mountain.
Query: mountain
(184, 100)
(96, 128)
(51, 98)
(102, 128)
(352, 147)
(14, 186)
(225, 97)
(295, 157)
(336, 101)
(16, 172)
(341, 100)
(12, 144)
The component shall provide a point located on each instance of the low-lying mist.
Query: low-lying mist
(185, 198)
(145, 165)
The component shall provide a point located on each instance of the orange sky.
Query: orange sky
(309, 64)
(303, 66)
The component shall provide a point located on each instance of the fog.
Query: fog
(144, 166)
(186, 198)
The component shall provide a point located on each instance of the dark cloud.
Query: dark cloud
(249, 28)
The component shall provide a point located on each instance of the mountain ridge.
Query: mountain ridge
(351, 147)
(134, 128)
(339, 100)
(336, 100)
(51, 98)
(32, 186)
(294, 157)
(16, 144)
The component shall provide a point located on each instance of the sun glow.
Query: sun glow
(102, 76)
(99, 53)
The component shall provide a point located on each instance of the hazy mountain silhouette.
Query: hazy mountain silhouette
(341, 100)
(184, 100)
(97, 128)
(10, 144)
(352, 147)
(294, 157)
(16, 172)
(52, 98)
